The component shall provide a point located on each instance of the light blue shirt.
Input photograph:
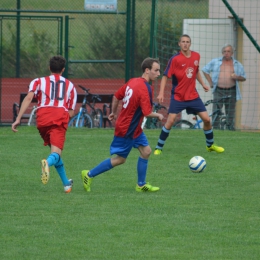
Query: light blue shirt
(214, 67)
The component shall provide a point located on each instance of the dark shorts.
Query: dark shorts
(192, 106)
(122, 146)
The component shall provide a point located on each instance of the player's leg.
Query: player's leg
(145, 150)
(164, 133)
(208, 131)
(104, 166)
(45, 171)
(175, 108)
(119, 146)
(57, 140)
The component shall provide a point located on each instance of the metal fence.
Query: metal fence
(104, 49)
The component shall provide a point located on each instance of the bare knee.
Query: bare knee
(115, 161)
(207, 123)
(170, 121)
(145, 151)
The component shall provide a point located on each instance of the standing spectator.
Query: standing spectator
(183, 68)
(226, 73)
(57, 98)
(136, 96)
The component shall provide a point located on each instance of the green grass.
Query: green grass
(211, 215)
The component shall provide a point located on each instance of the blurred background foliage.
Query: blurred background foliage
(91, 36)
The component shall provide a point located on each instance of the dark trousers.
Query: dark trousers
(230, 106)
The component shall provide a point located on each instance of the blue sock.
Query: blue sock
(102, 167)
(52, 159)
(209, 137)
(141, 170)
(163, 136)
(61, 171)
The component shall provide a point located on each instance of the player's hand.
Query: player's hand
(160, 98)
(206, 88)
(14, 125)
(112, 116)
(160, 117)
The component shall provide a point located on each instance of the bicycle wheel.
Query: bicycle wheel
(72, 122)
(183, 124)
(87, 121)
(84, 121)
(97, 118)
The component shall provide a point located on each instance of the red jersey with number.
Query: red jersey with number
(136, 96)
(56, 95)
(183, 71)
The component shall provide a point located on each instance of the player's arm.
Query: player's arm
(162, 87)
(208, 78)
(73, 101)
(25, 104)
(200, 80)
(113, 114)
(71, 112)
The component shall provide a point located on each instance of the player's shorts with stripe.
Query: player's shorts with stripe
(122, 146)
(192, 106)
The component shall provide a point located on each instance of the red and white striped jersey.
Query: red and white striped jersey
(54, 91)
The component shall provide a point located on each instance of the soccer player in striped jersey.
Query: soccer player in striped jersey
(136, 96)
(57, 99)
(183, 68)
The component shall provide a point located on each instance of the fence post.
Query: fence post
(152, 33)
(18, 27)
(66, 46)
(128, 27)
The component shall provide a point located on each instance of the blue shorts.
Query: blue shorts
(122, 146)
(192, 106)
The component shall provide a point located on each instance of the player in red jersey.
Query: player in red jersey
(136, 96)
(183, 68)
(57, 99)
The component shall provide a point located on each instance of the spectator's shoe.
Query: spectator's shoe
(68, 188)
(146, 187)
(45, 172)
(86, 180)
(215, 148)
(157, 152)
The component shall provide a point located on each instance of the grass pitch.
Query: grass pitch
(211, 215)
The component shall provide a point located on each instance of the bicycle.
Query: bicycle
(185, 124)
(152, 122)
(84, 118)
(31, 117)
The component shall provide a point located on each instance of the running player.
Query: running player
(183, 68)
(136, 96)
(57, 98)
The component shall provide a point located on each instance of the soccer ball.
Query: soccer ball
(197, 164)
